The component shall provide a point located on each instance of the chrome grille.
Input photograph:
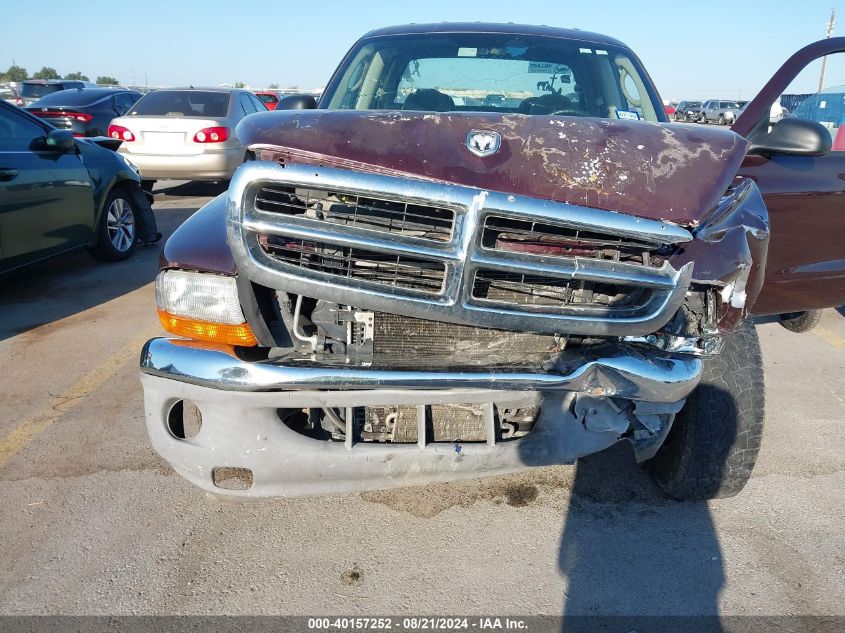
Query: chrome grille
(376, 214)
(524, 290)
(542, 238)
(384, 269)
(510, 262)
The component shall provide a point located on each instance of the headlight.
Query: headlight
(202, 306)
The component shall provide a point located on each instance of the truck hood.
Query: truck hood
(671, 172)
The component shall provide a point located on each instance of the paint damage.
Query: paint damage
(650, 170)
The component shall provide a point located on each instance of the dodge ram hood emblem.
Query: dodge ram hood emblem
(483, 142)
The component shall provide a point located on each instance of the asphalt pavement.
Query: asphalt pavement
(94, 522)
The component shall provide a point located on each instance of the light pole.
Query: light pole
(831, 23)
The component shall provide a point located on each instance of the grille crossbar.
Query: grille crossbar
(454, 254)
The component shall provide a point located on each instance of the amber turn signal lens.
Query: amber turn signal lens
(205, 331)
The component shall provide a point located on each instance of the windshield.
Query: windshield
(197, 103)
(488, 72)
(36, 91)
(730, 104)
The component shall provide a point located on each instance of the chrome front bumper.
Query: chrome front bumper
(239, 400)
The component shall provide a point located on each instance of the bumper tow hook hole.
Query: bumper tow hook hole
(230, 478)
(184, 420)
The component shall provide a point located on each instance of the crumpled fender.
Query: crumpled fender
(729, 251)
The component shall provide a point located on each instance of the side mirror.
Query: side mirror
(61, 140)
(794, 137)
(297, 102)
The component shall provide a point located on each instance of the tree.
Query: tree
(273, 86)
(78, 76)
(47, 73)
(15, 73)
(105, 80)
(240, 84)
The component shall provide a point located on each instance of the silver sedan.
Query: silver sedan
(185, 133)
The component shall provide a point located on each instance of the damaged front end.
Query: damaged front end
(412, 331)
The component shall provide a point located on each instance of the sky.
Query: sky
(692, 50)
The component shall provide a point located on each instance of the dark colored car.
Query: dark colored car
(32, 90)
(85, 112)
(270, 98)
(59, 194)
(404, 288)
(687, 111)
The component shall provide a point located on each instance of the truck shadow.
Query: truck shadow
(70, 284)
(634, 559)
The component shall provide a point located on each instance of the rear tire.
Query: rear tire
(712, 446)
(721, 119)
(118, 228)
(801, 321)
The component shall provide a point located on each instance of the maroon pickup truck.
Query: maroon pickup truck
(485, 250)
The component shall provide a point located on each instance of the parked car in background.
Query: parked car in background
(270, 98)
(721, 112)
(32, 90)
(60, 194)
(8, 94)
(687, 111)
(85, 112)
(186, 133)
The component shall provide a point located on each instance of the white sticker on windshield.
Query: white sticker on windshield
(598, 52)
(467, 52)
(627, 114)
(547, 68)
(586, 50)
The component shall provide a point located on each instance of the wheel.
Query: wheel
(712, 446)
(721, 119)
(116, 232)
(147, 185)
(703, 119)
(801, 321)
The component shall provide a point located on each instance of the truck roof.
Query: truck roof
(491, 27)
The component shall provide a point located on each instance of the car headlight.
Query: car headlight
(202, 306)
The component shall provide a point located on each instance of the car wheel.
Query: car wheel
(116, 233)
(712, 446)
(801, 321)
(721, 119)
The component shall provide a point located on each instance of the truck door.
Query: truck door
(805, 194)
